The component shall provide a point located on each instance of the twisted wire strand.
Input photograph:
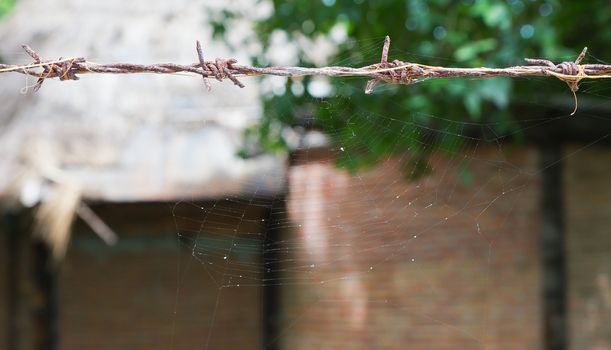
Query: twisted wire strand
(395, 72)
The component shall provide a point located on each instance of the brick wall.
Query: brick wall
(357, 278)
(148, 292)
(588, 198)
(446, 262)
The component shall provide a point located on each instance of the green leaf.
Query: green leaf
(473, 104)
(470, 51)
(6, 6)
(465, 176)
(496, 16)
(496, 90)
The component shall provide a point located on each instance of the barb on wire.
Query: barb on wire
(395, 72)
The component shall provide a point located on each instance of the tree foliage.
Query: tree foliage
(6, 6)
(437, 32)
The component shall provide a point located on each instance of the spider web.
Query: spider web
(372, 259)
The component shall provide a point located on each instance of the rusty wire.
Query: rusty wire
(395, 72)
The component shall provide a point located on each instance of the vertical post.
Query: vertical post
(552, 249)
(271, 274)
(16, 261)
(44, 308)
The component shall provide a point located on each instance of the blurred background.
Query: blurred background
(144, 212)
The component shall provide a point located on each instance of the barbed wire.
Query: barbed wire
(395, 72)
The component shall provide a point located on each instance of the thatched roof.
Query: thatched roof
(121, 138)
(124, 138)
